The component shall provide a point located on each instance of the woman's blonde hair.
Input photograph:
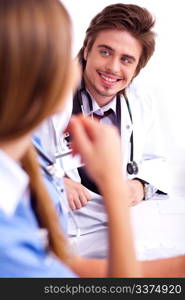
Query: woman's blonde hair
(35, 57)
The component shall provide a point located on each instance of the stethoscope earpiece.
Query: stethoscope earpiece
(132, 168)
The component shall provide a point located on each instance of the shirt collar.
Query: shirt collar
(13, 183)
(96, 108)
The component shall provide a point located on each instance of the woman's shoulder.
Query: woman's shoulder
(23, 250)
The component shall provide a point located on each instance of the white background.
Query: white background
(164, 74)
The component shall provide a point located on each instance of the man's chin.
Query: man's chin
(107, 95)
(108, 92)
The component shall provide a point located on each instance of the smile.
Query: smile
(109, 78)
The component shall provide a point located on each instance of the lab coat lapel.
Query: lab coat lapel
(126, 130)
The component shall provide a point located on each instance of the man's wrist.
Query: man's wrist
(148, 189)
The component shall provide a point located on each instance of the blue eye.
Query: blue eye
(125, 59)
(104, 52)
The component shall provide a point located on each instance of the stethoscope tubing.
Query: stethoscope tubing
(132, 164)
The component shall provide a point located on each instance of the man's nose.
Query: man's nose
(113, 65)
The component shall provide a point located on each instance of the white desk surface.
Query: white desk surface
(159, 228)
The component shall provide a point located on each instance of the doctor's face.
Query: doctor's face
(111, 64)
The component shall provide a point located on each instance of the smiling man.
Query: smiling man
(118, 44)
(111, 64)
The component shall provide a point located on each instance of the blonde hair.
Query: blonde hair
(35, 59)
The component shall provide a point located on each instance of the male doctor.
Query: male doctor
(118, 44)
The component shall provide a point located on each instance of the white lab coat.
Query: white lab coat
(148, 149)
(50, 131)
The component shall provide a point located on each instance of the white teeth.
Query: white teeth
(108, 79)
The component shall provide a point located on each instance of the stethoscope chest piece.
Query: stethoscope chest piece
(132, 168)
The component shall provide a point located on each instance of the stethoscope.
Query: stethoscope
(132, 166)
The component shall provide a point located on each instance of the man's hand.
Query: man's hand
(136, 191)
(77, 194)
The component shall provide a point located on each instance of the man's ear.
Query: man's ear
(85, 53)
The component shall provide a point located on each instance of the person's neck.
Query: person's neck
(16, 148)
